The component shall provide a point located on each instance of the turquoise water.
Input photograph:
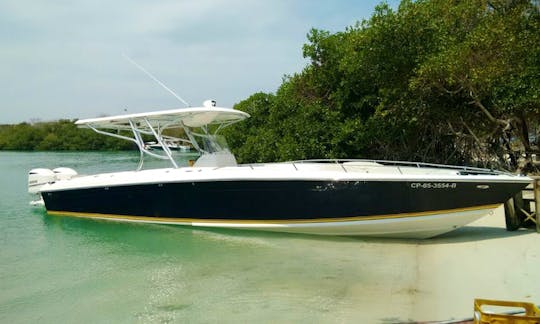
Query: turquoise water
(60, 269)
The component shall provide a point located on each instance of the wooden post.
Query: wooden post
(511, 216)
(537, 202)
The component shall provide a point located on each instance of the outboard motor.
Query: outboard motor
(64, 173)
(39, 177)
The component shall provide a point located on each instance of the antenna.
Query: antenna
(155, 79)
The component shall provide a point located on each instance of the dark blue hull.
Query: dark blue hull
(279, 200)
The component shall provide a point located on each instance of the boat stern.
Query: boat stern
(39, 177)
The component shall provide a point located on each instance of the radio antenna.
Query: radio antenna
(155, 79)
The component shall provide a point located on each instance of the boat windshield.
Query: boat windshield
(212, 143)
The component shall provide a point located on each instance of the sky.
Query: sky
(64, 59)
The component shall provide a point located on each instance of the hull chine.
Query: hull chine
(415, 226)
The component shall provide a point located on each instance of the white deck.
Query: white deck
(276, 171)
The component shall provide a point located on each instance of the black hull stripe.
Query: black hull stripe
(278, 201)
(257, 221)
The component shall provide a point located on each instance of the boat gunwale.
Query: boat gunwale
(397, 163)
(332, 177)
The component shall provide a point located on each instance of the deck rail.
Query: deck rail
(461, 169)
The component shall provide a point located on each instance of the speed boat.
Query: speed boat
(328, 197)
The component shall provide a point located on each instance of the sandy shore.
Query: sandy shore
(481, 260)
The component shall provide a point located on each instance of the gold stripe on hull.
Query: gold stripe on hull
(170, 220)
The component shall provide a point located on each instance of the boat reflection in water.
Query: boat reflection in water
(328, 197)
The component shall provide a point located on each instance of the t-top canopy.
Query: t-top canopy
(190, 117)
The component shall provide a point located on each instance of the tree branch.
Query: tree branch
(476, 139)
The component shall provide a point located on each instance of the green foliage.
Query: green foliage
(60, 135)
(434, 80)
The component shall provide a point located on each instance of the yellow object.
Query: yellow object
(529, 315)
